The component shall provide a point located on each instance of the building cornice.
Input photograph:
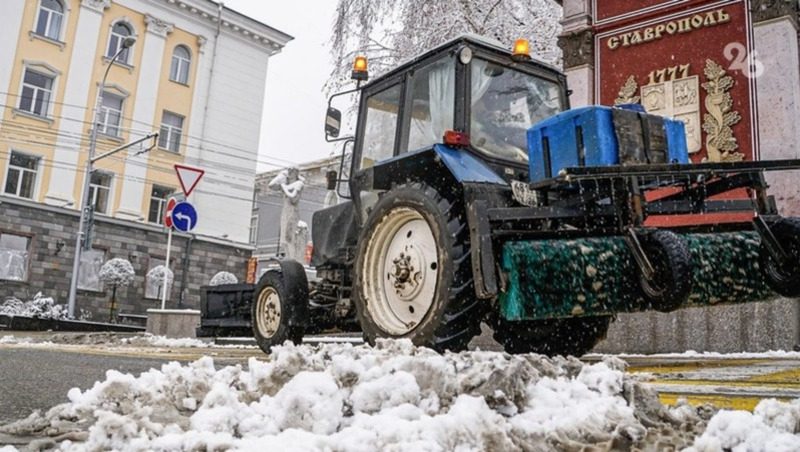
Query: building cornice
(157, 26)
(246, 28)
(96, 5)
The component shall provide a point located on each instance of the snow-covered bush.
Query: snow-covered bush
(160, 274)
(117, 272)
(223, 278)
(41, 306)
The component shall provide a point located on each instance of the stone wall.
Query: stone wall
(753, 327)
(52, 234)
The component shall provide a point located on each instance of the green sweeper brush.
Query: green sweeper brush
(599, 276)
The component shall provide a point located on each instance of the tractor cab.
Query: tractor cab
(469, 93)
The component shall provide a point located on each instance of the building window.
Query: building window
(37, 88)
(89, 271)
(110, 116)
(158, 203)
(99, 189)
(253, 229)
(51, 16)
(153, 286)
(21, 175)
(119, 32)
(169, 137)
(181, 60)
(14, 256)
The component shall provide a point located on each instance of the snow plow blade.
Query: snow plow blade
(548, 279)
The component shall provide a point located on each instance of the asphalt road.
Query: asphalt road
(33, 379)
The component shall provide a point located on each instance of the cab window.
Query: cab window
(505, 103)
(433, 94)
(381, 126)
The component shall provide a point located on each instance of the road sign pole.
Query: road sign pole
(166, 265)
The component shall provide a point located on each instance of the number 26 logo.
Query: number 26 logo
(743, 61)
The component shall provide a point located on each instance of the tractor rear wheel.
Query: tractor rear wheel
(413, 275)
(672, 263)
(784, 279)
(279, 303)
(574, 336)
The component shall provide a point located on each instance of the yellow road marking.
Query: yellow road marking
(694, 365)
(762, 383)
(719, 401)
(791, 377)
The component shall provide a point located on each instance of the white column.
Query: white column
(581, 81)
(577, 43)
(76, 92)
(9, 33)
(199, 101)
(143, 112)
(778, 91)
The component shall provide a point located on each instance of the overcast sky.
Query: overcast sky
(294, 107)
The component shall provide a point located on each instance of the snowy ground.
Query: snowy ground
(396, 397)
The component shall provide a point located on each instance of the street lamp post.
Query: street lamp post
(81, 235)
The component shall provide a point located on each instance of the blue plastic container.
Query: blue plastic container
(587, 137)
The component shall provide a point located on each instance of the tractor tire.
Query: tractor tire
(280, 306)
(574, 336)
(413, 275)
(785, 280)
(672, 262)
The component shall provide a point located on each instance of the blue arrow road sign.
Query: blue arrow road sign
(184, 217)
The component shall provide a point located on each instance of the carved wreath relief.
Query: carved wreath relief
(672, 92)
(721, 145)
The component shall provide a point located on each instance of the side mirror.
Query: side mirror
(333, 122)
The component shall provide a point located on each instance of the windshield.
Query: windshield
(505, 104)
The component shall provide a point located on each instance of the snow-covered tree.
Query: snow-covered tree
(223, 278)
(160, 274)
(117, 272)
(389, 32)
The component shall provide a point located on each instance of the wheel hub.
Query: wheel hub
(268, 312)
(401, 271)
(407, 274)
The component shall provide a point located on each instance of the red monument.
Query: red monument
(688, 59)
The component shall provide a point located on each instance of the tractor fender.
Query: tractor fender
(294, 278)
(443, 167)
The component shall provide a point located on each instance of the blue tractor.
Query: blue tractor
(474, 194)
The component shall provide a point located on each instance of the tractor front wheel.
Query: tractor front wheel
(574, 336)
(412, 275)
(280, 305)
(784, 279)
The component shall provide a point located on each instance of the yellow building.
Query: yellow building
(195, 74)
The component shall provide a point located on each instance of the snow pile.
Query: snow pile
(41, 307)
(9, 339)
(163, 341)
(341, 397)
(773, 426)
(117, 272)
(223, 278)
